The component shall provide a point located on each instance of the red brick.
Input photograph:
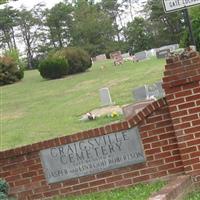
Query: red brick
(51, 193)
(159, 174)
(194, 142)
(66, 190)
(176, 170)
(189, 118)
(148, 171)
(156, 131)
(150, 139)
(192, 129)
(172, 159)
(29, 174)
(170, 147)
(191, 161)
(166, 166)
(106, 186)
(70, 182)
(179, 113)
(186, 105)
(176, 101)
(152, 151)
(114, 178)
(183, 93)
(159, 143)
(188, 150)
(123, 182)
(97, 182)
(80, 186)
(86, 178)
(156, 163)
(131, 174)
(22, 182)
(163, 155)
(141, 178)
(194, 110)
(104, 174)
(196, 122)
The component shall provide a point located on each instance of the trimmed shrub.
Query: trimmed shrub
(53, 68)
(4, 186)
(10, 71)
(3, 196)
(78, 59)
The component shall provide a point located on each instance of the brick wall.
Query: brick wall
(182, 87)
(21, 167)
(170, 134)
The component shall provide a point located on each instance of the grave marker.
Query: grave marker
(141, 55)
(105, 97)
(162, 53)
(149, 92)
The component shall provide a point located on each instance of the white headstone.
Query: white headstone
(105, 97)
(141, 55)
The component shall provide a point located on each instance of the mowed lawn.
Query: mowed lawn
(36, 109)
(138, 192)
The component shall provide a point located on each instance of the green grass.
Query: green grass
(36, 109)
(138, 192)
(193, 196)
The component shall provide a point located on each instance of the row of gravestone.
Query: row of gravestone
(146, 92)
(161, 52)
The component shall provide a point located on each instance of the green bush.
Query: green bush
(10, 71)
(3, 196)
(52, 68)
(78, 59)
(3, 186)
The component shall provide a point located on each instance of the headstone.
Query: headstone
(92, 155)
(105, 97)
(125, 55)
(151, 52)
(146, 92)
(101, 57)
(160, 89)
(117, 56)
(163, 53)
(141, 55)
(140, 93)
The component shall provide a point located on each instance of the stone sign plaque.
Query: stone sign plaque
(92, 155)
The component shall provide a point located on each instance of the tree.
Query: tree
(195, 17)
(59, 23)
(139, 35)
(29, 22)
(114, 10)
(92, 28)
(167, 27)
(7, 25)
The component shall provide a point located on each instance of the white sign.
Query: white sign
(173, 5)
(92, 155)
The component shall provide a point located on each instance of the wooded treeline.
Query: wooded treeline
(97, 27)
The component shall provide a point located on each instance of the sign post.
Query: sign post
(174, 5)
(187, 18)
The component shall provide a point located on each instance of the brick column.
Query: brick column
(181, 83)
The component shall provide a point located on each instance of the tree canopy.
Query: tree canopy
(97, 27)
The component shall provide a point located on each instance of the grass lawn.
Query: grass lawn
(138, 192)
(36, 109)
(193, 196)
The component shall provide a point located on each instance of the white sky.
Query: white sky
(30, 3)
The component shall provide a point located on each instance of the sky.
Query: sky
(30, 3)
